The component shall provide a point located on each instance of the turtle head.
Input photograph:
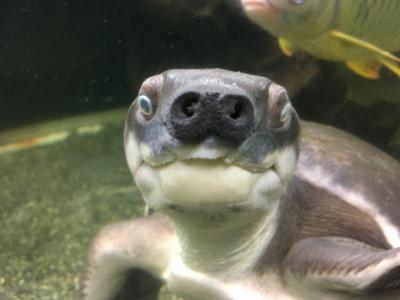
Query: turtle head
(211, 139)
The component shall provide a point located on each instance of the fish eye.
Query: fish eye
(297, 2)
(145, 105)
(285, 113)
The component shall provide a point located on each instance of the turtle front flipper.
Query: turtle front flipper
(344, 265)
(127, 260)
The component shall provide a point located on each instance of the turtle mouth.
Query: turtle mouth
(207, 156)
(208, 177)
(188, 154)
(203, 182)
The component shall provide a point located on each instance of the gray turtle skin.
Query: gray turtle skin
(247, 201)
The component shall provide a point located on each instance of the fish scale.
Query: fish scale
(381, 15)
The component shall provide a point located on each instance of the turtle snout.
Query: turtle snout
(195, 116)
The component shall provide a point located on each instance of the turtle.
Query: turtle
(246, 201)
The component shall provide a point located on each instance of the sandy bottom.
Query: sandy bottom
(53, 199)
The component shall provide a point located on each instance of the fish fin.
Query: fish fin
(364, 44)
(368, 69)
(392, 66)
(343, 265)
(287, 47)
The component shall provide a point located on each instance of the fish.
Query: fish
(364, 34)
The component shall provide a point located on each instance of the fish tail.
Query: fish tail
(391, 65)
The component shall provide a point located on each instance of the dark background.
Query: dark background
(64, 57)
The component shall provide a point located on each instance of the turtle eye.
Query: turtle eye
(282, 115)
(285, 113)
(279, 107)
(145, 105)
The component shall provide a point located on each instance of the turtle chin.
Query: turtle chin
(205, 183)
(209, 184)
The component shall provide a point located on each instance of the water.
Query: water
(65, 61)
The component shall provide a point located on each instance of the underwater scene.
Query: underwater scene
(220, 89)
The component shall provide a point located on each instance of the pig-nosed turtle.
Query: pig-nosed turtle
(214, 154)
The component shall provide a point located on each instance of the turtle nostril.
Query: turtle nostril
(194, 116)
(237, 118)
(237, 110)
(188, 107)
(187, 104)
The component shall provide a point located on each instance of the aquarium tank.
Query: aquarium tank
(69, 70)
